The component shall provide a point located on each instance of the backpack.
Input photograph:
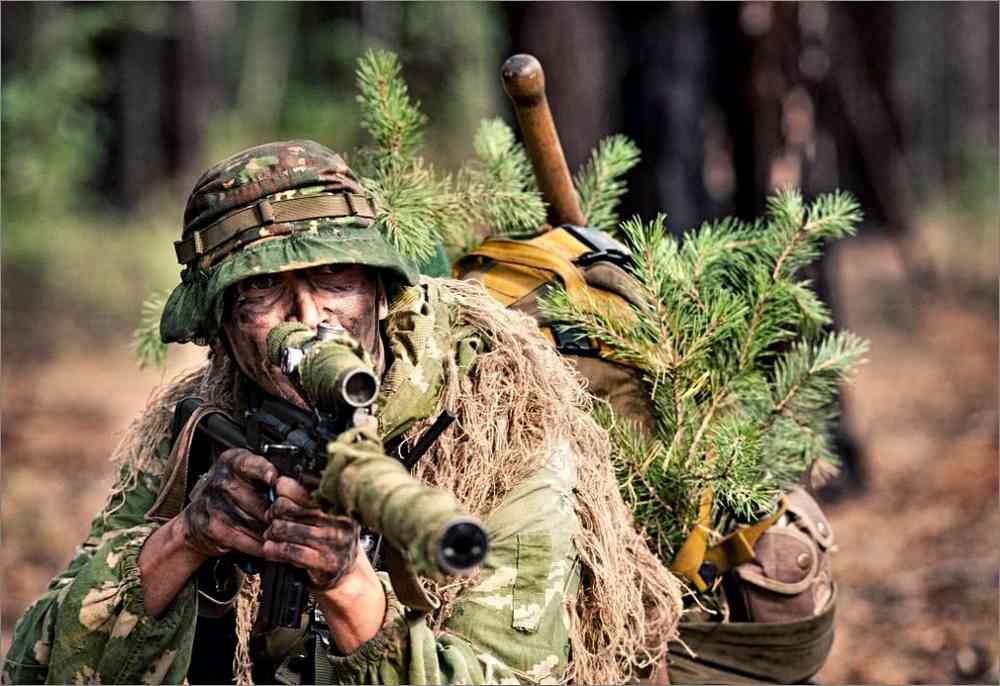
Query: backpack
(779, 584)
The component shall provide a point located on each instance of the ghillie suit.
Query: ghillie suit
(570, 590)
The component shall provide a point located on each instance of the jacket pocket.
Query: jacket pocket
(534, 561)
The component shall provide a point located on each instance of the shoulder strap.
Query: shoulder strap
(515, 273)
(174, 488)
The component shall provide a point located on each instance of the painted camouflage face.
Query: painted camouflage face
(275, 172)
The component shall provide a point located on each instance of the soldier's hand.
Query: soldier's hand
(228, 509)
(301, 533)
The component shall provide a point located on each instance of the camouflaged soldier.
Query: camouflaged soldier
(282, 232)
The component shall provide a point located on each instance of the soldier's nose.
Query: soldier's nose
(305, 310)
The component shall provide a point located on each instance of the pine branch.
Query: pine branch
(806, 377)
(599, 184)
(500, 185)
(734, 417)
(831, 216)
(149, 348)
(393, 121)
(411, 204)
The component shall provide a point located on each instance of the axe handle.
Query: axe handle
(524, 81)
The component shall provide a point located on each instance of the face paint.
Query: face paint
(343, 295)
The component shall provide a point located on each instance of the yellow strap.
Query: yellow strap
(730, 552)
(688, 561)
(562, 242)
(529, 255)
(737, 547)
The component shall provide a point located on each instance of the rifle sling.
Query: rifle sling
(175, 487)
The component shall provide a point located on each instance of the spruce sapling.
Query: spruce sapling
(731, 345)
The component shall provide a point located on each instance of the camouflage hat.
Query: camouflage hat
(272, 208)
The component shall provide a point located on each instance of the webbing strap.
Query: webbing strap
(518, 252)
(265, 212)
(518, 267)
(732, 551)
(737, 547)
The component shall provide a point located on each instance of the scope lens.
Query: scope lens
(463, 546)
(360, 387)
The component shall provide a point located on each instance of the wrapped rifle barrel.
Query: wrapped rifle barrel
(435, 536)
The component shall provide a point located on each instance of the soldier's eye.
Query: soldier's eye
(261, 282)
(331, 277)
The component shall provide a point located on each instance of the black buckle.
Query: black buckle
(602, 247)
(571, 340)
(616, 257)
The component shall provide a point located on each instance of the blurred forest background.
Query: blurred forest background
(111, 110)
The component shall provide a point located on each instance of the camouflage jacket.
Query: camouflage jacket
(511, 626)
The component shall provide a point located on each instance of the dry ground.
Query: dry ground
(918, 550)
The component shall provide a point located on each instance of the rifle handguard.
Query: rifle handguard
(436, 535)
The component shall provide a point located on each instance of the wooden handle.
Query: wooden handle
(524, 81)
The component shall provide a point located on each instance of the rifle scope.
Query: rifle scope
(426, 524)
(327, 365)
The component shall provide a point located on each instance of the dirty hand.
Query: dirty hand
(300, 533)
(228, 509)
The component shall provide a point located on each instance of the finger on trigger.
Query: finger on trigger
(251, 466)
(294, 491)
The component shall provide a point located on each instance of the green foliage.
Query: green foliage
(149, 349)
(417, 207)
(409, 197)
(599, 183)
(498, 187)
(731, 344)
(411, 204)
(394, 122)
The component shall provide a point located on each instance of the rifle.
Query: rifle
(431, 532)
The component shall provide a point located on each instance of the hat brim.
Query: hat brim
(195, 308)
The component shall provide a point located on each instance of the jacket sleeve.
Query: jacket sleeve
(90, 626)
(512, 626)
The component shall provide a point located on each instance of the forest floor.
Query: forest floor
(918, 551)
(918, 548)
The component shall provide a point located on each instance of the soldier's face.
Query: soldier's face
(348, 296)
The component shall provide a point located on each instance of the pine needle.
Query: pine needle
(395, 123)
(740, 371)
(149, 348)
(599, 183)
(411, 201)
(500, 184)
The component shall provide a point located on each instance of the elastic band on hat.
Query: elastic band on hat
(265, 213)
